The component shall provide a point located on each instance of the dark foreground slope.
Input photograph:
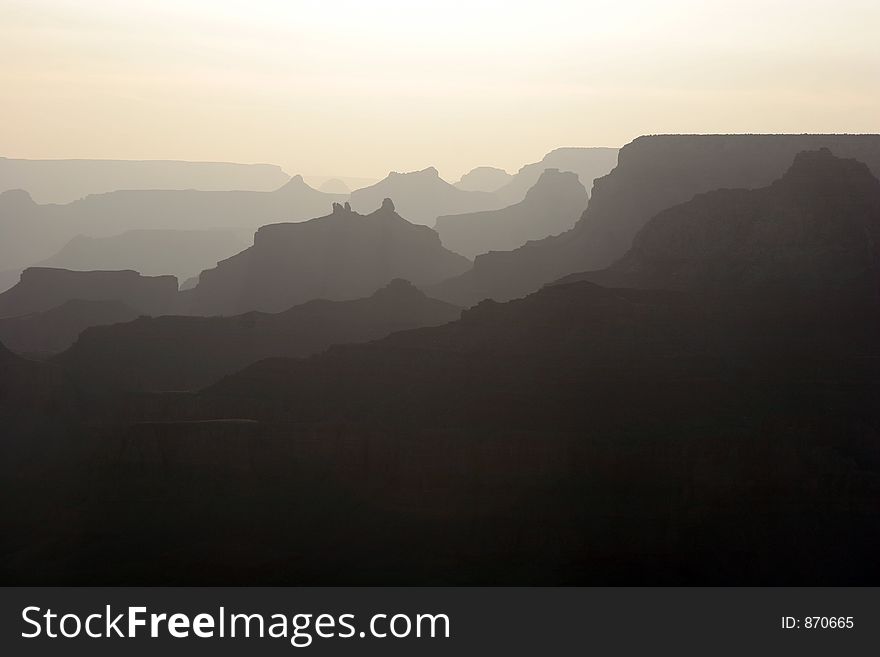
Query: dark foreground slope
(26, 387)
(344, 255)
(44, 464)
(653, 173)
(551, 207)
(580, 435)
(186, 353)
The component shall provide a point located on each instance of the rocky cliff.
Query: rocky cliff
(817, 227)
(653, 173)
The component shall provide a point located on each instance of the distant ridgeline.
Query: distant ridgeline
(179, 218)
(63, 181)
(422, 196)
(30, 232)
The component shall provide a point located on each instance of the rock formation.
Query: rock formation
(41, 289)
(653, 173)
(551, 207)
(344, 255)
(587, 163)
(817, 227)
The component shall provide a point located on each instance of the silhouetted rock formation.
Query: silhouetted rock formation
(724, 432)
(41, 289)
(587, 163)
(182, 253)
(53, 331)
(335, 186)
(184, 353)
(717, 435)
(63, 181)
(816, 227)
(552, 206)
(30, 232)
(344, 255)
(484, 179)
(653, 173)
(422, 196)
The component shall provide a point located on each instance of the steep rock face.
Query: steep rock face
(185, 353)
(818, 226)
(653, 173)
(587, 163)
(344, 255)
(30, 232)
(422, 196)
(484, 179)
(63, 181)
(53, 331)
(551, 207)
(41, 289)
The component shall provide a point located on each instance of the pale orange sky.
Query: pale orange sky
(356, 88)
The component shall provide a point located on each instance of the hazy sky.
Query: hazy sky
(361, 87)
